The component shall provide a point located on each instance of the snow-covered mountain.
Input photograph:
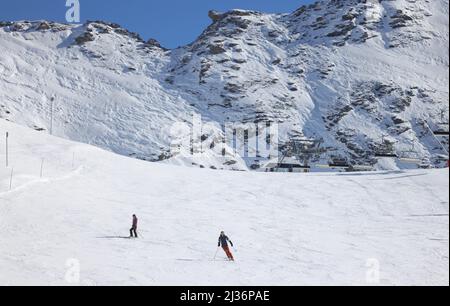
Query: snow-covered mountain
(362, 75)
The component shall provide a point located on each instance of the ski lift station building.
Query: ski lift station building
(288, 164)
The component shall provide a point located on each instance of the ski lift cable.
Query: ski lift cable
(437, 140)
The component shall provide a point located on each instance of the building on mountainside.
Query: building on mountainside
(289, 164)
(360, 168)
(297, 155)
(338, 162)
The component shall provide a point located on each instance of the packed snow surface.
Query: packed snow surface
(325, 229)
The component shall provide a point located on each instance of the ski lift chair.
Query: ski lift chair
(411, 157)
(441, 129)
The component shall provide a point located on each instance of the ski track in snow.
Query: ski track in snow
(288, 229)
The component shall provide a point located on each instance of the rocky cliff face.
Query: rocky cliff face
(358, 74)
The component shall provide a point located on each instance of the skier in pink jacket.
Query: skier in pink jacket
(133, 229)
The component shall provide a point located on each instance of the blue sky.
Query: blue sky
(172, 22)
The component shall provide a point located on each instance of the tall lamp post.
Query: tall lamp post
(52, 99)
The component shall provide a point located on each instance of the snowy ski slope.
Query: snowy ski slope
(325, 229)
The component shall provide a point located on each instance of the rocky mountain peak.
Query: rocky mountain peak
(319, 72)
(29, 26)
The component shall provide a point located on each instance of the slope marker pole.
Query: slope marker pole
(7, 150)
(11, 179)
(42, 167)
(51, 116)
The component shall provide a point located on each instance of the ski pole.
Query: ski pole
(217, 251)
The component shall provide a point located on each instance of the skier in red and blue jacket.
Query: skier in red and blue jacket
(223, 241)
